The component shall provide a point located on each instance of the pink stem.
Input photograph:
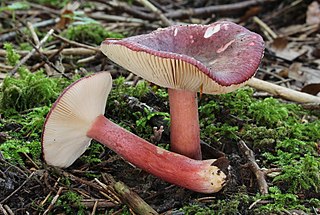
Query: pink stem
(205, 176)
(184, 128)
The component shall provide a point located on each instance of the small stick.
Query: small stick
(8, 209)
(283, 92)
(39, 65)
(49, 194)
(155, 10)
(75, 43)
(98, 15)
(115, 199)
(29, 158)
(68, 51)
(3, 210)
(54, 200)
(37, 41)
(31, 53)
(265, 27)
(254, 167)
(94, 207)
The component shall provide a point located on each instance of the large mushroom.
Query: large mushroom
(77, 117)
(214, 59)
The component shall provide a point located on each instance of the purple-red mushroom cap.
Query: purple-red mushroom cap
(64, 136)
(217, 58)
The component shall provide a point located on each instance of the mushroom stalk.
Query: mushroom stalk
(205, 176)
(184, 127)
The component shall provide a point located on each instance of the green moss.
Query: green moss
(93, 153)
(28, 91)
(71, 202)
(12, 58)
(233, 204)
(92, 33)
(13, 150)
(280, 202)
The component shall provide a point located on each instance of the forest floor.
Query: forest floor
(271, 134)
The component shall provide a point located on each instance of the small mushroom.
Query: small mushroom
(214, 59)
(77, 117)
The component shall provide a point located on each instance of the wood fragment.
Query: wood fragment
(283, 92)
(133, 200)
(254, 167)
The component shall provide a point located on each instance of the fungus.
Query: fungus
(214, 59)
(77, 117)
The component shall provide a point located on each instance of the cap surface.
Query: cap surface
(64, 133)
(218, 58)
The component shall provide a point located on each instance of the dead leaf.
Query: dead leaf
(290, 52)
(304, 74)
(252, 11)
(313, 13)
(295, 72)
(67, 14)
(279, 43)
(313, 89)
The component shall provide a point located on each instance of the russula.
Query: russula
(214, 59)
(77, 117)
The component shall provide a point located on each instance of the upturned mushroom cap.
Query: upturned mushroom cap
(217, 58)
(64, 136)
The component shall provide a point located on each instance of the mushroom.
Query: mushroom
(77, 117)
(214, 59)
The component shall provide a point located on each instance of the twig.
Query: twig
(283, 92)
(68, 51)
(54, 200)
(2, 210)
(49, 194)
(204, 11)
(115, 199)
(31, 52)
(155, 10)
(37, 41)
(16, 190)
(9, 35)
(8, 209)
(254, 167)
(133, 200)
(39, 65)
(102, 16)
(29, 158)
(130, 10)
(266, 28)
(75, 43)
(45, 59)
(94, 207)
